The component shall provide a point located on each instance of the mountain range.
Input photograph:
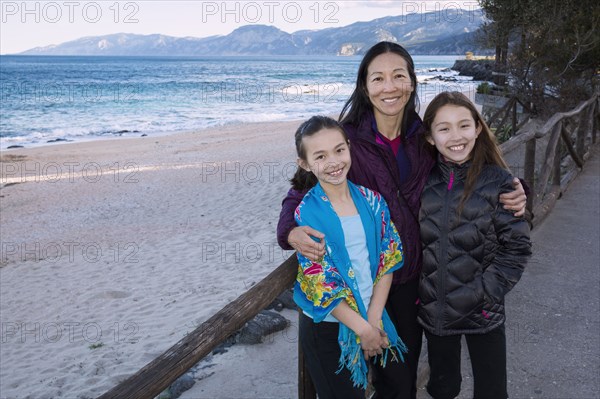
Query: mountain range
(418, 33)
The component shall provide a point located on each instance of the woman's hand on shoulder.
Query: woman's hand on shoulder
(516, 199)
(300, 239)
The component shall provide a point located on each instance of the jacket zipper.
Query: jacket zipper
(443, 254)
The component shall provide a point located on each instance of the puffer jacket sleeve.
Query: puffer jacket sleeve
(514, 249)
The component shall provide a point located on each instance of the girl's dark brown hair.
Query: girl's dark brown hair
(303, 179)
(485, 151)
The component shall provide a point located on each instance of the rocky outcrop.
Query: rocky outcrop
(479, 69)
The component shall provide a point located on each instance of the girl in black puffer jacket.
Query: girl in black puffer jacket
(474, 250)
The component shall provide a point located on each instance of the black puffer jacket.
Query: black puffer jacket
(471, 260)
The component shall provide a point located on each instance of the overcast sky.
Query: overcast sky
(28, 24)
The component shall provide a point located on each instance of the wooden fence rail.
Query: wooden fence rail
(547, 181)
(157, 375)
(509, 110)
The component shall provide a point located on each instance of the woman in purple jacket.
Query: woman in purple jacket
(385, 134)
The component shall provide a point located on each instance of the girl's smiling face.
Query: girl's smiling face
(327, 156)
(454, 132)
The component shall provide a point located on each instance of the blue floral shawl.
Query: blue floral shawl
(321, 286)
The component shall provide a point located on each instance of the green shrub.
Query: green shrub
(503, 133)
(484, 88)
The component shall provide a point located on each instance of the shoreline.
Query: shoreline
(423, 103)
(113, 250)
(424, 91)
(142, 135)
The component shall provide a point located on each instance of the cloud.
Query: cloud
(372, 4)
(419, 4)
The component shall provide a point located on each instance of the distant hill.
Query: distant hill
(419, 33)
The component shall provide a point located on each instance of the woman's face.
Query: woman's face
(388, 85)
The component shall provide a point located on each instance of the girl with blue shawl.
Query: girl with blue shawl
(343, 324)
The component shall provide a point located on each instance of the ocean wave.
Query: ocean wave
(430, 70)
(173, 96)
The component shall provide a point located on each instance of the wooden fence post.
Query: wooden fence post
(582, 130)
(566, 136)
(594, 119)
(529, 173)
(306, 389)
(514, 118)
(507, 112)
(547, 166)
(557, 161)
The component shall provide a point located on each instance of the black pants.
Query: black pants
(322, 353)
(488, 360)
(398, 380)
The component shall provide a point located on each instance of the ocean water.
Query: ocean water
(45, 99)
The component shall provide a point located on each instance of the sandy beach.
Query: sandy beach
(113, 250)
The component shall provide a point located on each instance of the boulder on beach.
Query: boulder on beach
(264, 323)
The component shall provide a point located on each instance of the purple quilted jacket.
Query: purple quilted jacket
(374, 166)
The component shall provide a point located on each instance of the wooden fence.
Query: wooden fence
(572, 133)
(157, 375)
(576, 128)
(509, 110)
